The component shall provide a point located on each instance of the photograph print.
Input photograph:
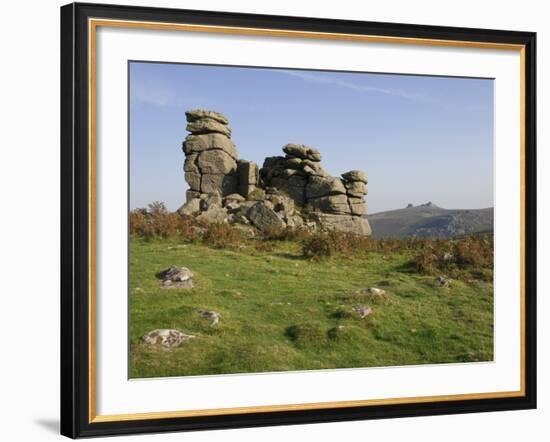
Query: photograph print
(288, 220)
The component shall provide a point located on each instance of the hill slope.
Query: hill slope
(281, 312)
(429, 220)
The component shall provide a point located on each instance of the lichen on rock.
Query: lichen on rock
(168, 338)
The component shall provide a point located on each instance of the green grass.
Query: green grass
(281, 312)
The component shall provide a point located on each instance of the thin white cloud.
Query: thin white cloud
(323, 79)
(154, 94)
(150, 95)
(157, 95)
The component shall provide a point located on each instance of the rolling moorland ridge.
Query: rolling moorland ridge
(430, 221)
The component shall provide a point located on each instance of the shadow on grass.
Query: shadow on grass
(287, 255)
(161, 275)
(341, 314)
(407, 267)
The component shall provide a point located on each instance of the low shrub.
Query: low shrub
(264, 246)
(157, 222)
(287, 234)
(317, 247)
(426, 261)
(324, 244)
(222, 236)
(456, 256)
(474, 252)
(272, 233)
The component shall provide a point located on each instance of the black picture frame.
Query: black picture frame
(75, 220)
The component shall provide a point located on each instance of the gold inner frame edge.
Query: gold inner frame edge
(93, 24)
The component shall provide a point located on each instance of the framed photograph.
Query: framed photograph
(274, 220)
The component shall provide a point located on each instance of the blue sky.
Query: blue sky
(419, 138)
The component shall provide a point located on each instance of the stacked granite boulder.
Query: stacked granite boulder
(355, 182)
(336, 203)
(343, 210)
(211, 157)
(288, 191)
(290, 173)
(248, 176)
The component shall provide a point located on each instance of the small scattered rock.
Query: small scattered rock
(448, 257)
(177, 277)
(443, 281)
(210, 314)
(362, 310)
(169, 338)
(373, 291)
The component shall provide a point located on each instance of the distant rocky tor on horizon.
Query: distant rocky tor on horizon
(430, 221)
(287, 191)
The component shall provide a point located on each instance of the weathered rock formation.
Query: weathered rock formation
(291, 190)
(334, 203)
(210, 155)
(249, 177)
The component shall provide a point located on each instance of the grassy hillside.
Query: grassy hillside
(283, 312)
(430, 221)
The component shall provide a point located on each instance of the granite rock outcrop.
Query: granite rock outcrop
(290, 190)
